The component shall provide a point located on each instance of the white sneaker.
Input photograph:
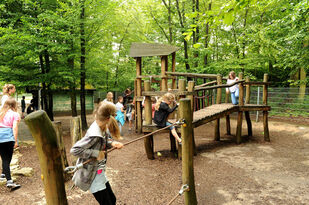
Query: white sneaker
(2, 177)
(13, 186)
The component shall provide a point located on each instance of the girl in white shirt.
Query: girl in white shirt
(234, 90)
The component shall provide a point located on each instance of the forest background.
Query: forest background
(57, 44)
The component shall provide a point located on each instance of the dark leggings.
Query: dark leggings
(6, 153)
(106, 196)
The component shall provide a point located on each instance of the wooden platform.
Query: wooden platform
(211, 113)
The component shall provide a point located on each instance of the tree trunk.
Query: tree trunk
(207, 38)
(83, 67)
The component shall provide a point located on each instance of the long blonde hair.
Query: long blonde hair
(109, 96)
(106, 111)
(165, 97)
(10, 103)
(6, 88)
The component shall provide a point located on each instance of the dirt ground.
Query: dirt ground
(254, 172)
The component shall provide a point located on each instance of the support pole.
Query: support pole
(181, 87)
(76, 133)
(187, 151)
(139, 94)
(174, 69)
(191, 97)
(265, 113)
(58, 129)
(217, 122)
(164, 66)
(227, 118)
(148, 141)
(247, 101)
(45, 138)
(240, 113)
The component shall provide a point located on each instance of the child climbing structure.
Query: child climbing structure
(198, 94)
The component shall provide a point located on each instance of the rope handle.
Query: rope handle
(72, 169)
(184, 188)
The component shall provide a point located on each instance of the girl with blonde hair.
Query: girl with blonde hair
(9, 119)
(97, 140)
(162, 110)
(109, 97)
(8, 90)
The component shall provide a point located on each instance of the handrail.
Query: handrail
(206, 84)
(219, 86)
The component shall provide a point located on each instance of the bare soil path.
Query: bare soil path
(255, 172)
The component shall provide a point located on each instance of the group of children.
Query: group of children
(101, 135)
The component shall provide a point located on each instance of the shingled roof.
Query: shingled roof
(151, 49)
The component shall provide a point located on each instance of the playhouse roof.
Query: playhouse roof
(151, 49)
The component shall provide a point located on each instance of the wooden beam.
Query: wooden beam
(45, 138)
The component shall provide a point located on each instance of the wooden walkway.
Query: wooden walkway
(212, 113)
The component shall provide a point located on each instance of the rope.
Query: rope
(72, 169)
(184, 188)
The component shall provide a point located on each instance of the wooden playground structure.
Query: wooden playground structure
(199, 104)
(206, 98)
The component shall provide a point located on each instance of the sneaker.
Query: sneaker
(2, 177)
(13, 186)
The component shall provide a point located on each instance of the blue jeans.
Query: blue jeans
(235, 96)
(172, 127)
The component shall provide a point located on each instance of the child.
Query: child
(93, 145)
(120, 113)
(109, 98)
(162, 112)
(9, 119)
(23, 107)
(8, 90)
(130, 113)
(234, 90)
(153, 101)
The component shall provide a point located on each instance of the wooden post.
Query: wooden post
(227, 118)
(181, 87)
(240, 114)
(265, 93)
(45, 138)
(191, 97)
(241, 91)
(139, 94)
(265, 124)
(217, 122)
(187, 154)
(247, 114)
(148, 141)
(76, 133)
(174, 69)
(265, 113)
(164, 66)
(58, 129)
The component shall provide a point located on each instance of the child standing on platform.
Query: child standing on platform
(93, 145)
(162, 112)
(234, 90)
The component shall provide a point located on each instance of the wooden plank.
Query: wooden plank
(161, 93)
(219, 86)
(212, 76)
(257, 83)
(206, 84)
